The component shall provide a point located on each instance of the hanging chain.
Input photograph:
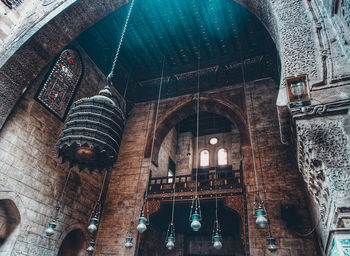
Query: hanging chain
(172, 212)
(58, 203)
(250, 132)
(146, 125)
(197, 128)
(156, 117)
(97, 208)
(121, 40)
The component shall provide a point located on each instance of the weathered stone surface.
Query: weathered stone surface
(32, 176)
(324, 160)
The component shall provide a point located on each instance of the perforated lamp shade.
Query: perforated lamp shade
(92, 133)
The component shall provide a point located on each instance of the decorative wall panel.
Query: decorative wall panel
(58, 91)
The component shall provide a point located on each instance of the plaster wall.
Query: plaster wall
(31, 173)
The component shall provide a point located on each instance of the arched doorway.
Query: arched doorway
(73, 244)
(188, 242)
(9, 220)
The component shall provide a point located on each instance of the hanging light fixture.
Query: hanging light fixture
(128, 242)
(51, 228)
(52, 224)
(143, 221)
(170, 238)
(271, 244)
(261, 213)
(93, 131)
(195, 213)
(96, 211)
(216, 237)
(261, 219)
(91, 247)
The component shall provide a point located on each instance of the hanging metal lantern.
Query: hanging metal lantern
(128, 242)
(92, 133)
(298, 91)
(51, 228)
(141, 227)
(261, 220)
(91, 247)
(170, 238)
(216, 237)
(195, 214)
(272, 244)
(93, 224)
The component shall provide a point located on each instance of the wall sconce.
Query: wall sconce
(298, 91)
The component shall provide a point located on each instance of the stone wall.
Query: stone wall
(166, 151)
(278, 177)
(32, 176)
(184, 154)
(323, 147)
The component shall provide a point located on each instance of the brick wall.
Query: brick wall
(34, 176)
(277, 174)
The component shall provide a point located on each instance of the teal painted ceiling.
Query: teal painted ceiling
(226, 31)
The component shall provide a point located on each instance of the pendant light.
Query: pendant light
(195, 213)
(271, 244)
(94, 127)
(144, 220)
(91, 248)
(260, 213)
(52, 224)
(216, 237)
(128, 242)
(170, 238)
(261, 220)
(96, 211)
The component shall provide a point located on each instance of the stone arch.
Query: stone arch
(72, 242)
(32, 56)
(13, 213)
(187, 108)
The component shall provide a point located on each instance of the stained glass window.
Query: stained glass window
(204, 158)
(222, 156)
(58, 91)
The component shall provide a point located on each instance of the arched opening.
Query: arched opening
(9, 220)
(192, 243)
(172, 117)
(73, 244)
(222, 157)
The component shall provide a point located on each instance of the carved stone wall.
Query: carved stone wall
(323, 145)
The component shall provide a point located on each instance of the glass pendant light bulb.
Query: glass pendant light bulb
(141, 227)
(272, 247)
(171, 243)
(128, 242)
(91, 248)
(195, 224)
(261, 220)
(217, 242)
(93, 225)
(51, 228)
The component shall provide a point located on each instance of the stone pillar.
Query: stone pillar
(323, 148)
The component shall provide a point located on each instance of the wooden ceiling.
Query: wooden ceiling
(225, 36)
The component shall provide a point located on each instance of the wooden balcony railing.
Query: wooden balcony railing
(208, 179)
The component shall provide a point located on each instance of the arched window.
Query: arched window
(222, 157)
(58, 91)
(204, 158)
